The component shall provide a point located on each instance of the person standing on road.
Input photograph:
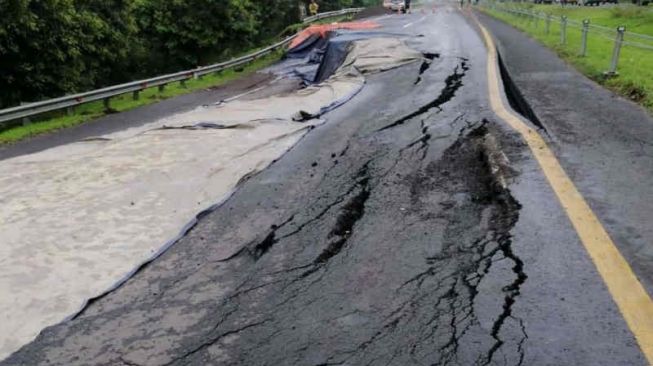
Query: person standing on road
(407, 3)
(313, 8)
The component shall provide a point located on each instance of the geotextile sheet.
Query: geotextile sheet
(78, 218)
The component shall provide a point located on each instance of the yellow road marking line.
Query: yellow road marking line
(628, 293)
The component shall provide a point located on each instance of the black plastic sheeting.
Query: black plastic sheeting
(332, 58)
(323, 56)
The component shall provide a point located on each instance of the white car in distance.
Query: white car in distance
(395, 5)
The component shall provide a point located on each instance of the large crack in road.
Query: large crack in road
(410, 228)
(384, 263)
(452, 276)
(435, 308)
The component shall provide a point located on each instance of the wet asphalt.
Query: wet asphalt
(413, 228)
(603, 141)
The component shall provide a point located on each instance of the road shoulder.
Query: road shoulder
(601, 139)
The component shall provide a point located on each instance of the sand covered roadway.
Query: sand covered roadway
(80, 217)
(414, 227)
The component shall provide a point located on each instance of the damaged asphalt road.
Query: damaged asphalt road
(411, 229)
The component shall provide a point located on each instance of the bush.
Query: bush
(52, 47)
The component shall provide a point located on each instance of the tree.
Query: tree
(40, 47)
(329, 5)
(112, 47)
(273, 16)
(187, 33)
(53, 47)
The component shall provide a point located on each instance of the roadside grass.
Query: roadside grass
(638, 19)
(58, 120)
(635, 69)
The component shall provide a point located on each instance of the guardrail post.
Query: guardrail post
(583, 41)
(563, 30)
(26, 120)
(618, 41)
(162, 87)
(537, 20)
(136, 94)
(70, 111)
(548, 24)
(182, 83)
(533, 18)
(107, 103)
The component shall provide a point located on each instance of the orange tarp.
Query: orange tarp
(323, 29)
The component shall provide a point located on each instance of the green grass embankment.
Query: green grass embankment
(635, 69)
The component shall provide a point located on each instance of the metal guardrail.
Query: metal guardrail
(331, 14)
(69, 101)
(617, 35)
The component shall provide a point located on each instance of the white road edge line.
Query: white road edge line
(415, 22)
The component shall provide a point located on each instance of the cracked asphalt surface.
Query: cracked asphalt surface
(413, 228)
